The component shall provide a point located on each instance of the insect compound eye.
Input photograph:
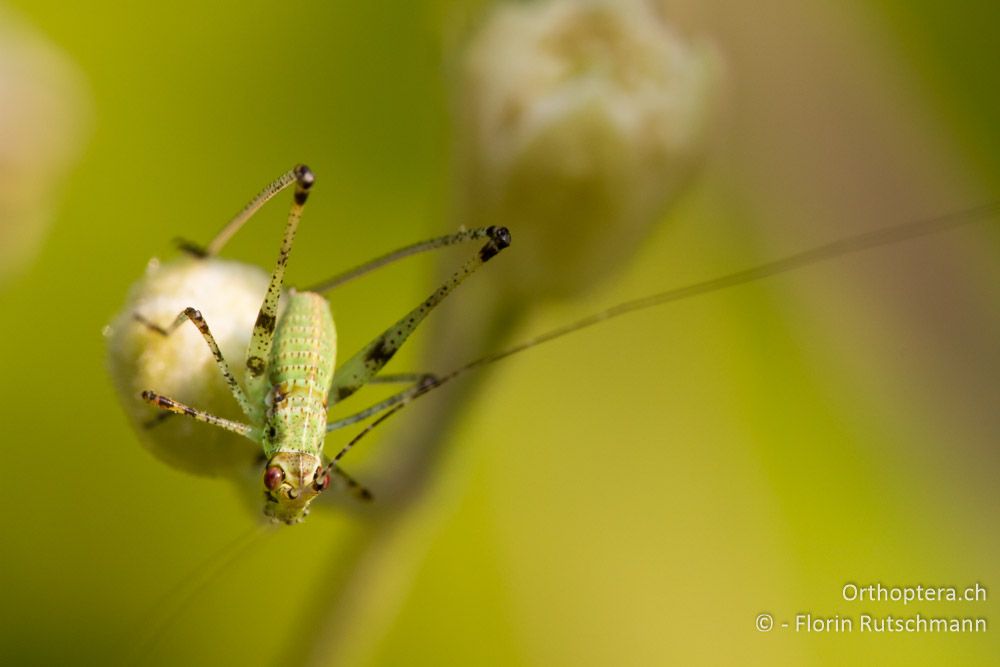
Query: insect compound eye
(273, 477)
(322, 479)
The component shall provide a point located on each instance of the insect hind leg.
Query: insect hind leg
(262, 338)
(436, 243)
(236, 223)
(366, 364)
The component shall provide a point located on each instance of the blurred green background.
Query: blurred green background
(635, 494)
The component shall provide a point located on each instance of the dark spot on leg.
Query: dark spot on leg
(255, 365)
(488, 252)
(380, 353)
(265, 322)
(344, 391)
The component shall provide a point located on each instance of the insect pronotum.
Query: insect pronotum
(289, 376)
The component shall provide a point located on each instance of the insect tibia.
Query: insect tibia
(170, 405)
(435, 243)
(300, 174)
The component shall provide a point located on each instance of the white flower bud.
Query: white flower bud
(578, 124)
(180, 365)
(44, 109)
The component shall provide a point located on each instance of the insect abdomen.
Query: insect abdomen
(305, 344)
(300, 374)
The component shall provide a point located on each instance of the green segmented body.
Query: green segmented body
(301, 374)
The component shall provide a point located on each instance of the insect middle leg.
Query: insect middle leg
(176, 407)
(195, 317)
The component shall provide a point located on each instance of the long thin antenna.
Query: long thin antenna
(841, 248)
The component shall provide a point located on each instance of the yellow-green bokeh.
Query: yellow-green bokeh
(633, 495)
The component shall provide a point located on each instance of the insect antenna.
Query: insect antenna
(833, 250)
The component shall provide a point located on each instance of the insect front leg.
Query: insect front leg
(194, 316)
(365, 365)
(176, 407)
